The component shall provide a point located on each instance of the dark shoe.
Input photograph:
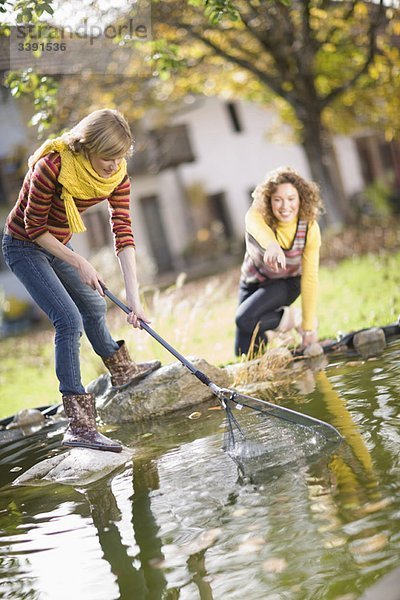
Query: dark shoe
(124, 371)
(82, 432)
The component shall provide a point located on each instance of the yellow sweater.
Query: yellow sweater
(284, 235)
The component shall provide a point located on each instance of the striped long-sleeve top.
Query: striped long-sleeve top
(39, 207)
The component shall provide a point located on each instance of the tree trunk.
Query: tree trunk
(320, 153)
(318, 147)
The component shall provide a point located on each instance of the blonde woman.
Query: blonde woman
(281, 261)
(66, 176)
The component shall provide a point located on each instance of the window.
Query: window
(157, 235)
(12, 173)
(98, 228)
(162, 148)
(234, 117)
(219, 213)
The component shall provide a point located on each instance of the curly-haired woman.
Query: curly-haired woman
(66, 176)
(281, 261)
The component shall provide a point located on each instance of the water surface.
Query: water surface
(307, 522)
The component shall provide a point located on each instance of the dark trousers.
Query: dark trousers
(260, 305)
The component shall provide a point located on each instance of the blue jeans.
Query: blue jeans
(72, 307)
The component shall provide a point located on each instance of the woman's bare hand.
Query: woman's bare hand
(308, 338)
(274, 257)
(137, 313)
(89, 275)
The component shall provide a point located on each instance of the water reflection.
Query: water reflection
(347, 470)
(360, 493)
(129, 536)
(130, 561)
(178, 523)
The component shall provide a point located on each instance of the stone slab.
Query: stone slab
(77, 466)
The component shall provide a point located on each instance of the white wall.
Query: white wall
(12, 129)
(349, 165)
(166, 187)
(235, 162)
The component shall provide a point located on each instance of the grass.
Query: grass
(198, 319)
(359, 292)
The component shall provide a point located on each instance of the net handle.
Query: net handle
(196, 372)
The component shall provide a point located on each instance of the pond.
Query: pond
(181, 521)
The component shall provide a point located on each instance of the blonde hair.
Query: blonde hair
(311, 205)
(104, 132)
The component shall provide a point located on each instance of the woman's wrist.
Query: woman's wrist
(132, 299)
(309, 336)
(272, 246)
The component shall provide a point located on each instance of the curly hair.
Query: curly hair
(311, 205)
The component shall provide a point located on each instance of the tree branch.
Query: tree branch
(253, 32)
(346, 16)
(372, 48)
(272, 82)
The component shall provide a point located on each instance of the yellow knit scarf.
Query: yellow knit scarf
(78, 179)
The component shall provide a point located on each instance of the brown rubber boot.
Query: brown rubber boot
(124, 371)
(81, 431)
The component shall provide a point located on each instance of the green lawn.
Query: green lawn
(198, 319)
(359, 292)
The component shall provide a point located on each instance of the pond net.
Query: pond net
(260, 435)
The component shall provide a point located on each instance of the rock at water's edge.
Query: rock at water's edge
(166, 390)
(77, 466)
(370, 342)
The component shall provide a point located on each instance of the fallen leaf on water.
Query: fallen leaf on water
(157, 563)
(205, 540)
(372, 507)
(251, 545)
(274, 565)
(369, 545)
(195, 415)
(335, 542)
(239, 512)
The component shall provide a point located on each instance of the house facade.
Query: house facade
(232, 153)
(189, 199)
(192, 182)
